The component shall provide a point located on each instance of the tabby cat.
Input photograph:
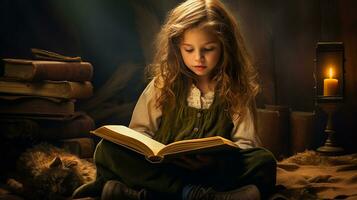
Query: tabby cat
(47, 172)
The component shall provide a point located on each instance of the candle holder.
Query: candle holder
(329, 89)
(331, 146)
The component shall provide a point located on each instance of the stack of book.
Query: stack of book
(37, 103)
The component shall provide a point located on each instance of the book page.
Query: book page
(192, 145)
(154, 145)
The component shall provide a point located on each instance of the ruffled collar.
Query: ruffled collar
(197, 99)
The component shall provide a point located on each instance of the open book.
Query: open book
(155, 151)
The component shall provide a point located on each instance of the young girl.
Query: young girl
(203, 84)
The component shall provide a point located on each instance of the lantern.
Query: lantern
(329, 88)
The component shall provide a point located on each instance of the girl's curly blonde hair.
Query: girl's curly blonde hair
(234, 74)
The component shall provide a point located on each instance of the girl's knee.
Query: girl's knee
(265, 158)
(266, 171)
(100, 150)
(106, 150)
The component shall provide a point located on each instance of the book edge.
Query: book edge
(217, 141)
(148, 154)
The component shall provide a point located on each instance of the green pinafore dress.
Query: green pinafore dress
(231, 169)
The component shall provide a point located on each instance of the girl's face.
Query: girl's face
(201, 51)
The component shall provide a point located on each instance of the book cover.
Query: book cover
(81, 147)
(36, 70)
(302, 131)
(156, 152)
(46, 128)
(31, 105)
(273, 131)
(57, 89)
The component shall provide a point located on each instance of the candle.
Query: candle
(330, 85)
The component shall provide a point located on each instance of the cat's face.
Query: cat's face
(60, 177)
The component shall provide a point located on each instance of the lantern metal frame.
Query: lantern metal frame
(329, 53)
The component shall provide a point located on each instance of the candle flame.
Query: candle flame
(330, 72)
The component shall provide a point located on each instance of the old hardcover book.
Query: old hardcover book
(46, 129)
(49, 55)
(156, 152)
(36, 70)
(59, 89)
(31, 105)
(302, 129)
(82, 147)
(273, 130)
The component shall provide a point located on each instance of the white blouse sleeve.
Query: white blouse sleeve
(146, 116)
(244, 132)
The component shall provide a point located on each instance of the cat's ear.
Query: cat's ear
(56, 162)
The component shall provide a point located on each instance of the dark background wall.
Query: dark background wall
(116, 37)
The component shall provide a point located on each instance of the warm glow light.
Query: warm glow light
(330, 72)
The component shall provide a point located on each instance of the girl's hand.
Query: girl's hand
(194, 162)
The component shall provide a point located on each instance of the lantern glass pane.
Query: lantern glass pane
(329, 66)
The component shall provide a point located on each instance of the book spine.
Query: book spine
(77, 127)
(45, 130)
(79, 90)
(154, 159)
(36, 106)
(59, 89)
(74, 71)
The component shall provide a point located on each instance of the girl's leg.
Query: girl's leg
(242, 167)
(118, 163)
(260, 169)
